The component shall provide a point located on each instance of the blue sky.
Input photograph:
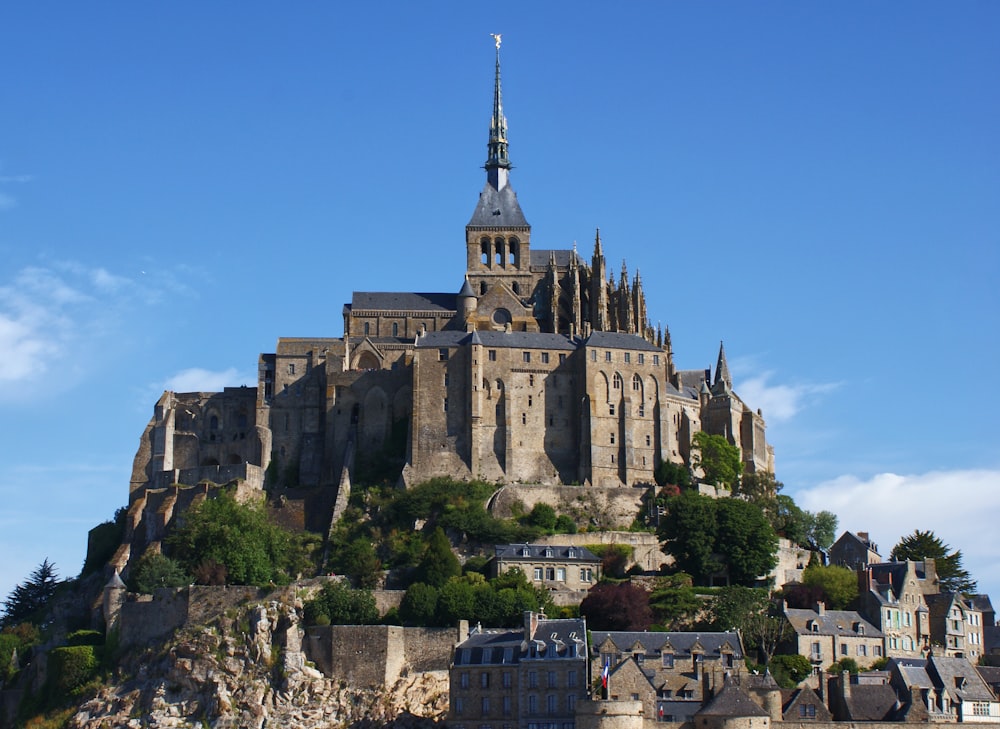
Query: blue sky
(816, 184)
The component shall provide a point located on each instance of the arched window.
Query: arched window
(515, 287)
(367, 329)
(618, 381)
(484, 247)
(636, 382)
(513, 251)
(499, 251)
(395, 329)
(482, 288)
(213, 422)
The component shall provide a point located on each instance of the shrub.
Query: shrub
(71, 667)
(341, 605)
(85, 637)
(790, 670)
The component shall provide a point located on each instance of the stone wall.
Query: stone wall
(646, 551)
(373, 655)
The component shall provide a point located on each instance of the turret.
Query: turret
(467, 301)
(723, 381)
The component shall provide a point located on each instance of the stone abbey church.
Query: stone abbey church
(541, 368)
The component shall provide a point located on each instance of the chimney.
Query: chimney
(863, 536)
(530, 623)
(845, 686)
(820, 608)
(463, 632)
(822, 686)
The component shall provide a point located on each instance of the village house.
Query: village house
(826, 636)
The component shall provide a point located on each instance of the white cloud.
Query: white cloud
(197, 379)
(961, 507)
(780, 402)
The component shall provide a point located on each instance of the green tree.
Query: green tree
(920, 545)
(361, 564)
(760, 487)
(688, 531)
(674, 602)
(439, 564)
(542, 516)
(839, 585)
(718, 459)
(239, 536)
(824, 529)
(745, 539)
(419, 605)
(157, 570)
(565, 525)
(338, 604)
(790, 670)
(845, 664)
(28, 599)
(674, 474)
(790, 521)
(733, 605)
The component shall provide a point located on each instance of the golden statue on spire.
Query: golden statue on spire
(496, 37)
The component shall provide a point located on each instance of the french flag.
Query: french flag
(604, 675)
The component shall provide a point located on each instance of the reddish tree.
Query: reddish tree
(617, 607)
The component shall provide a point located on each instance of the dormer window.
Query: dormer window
(548, 552)
(571, 553)
(813, 626)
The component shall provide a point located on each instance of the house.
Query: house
(558, 568)
(803, 704)
(854, 551)
(732, 708)
(855, 697)
(948, 688)
(892, 599)
(524, 678)
(956, 625)
(671, 673)
(826, 636)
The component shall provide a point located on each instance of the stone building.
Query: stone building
(526, 678)
(559, 568)
(825, 636)
(541, 367)
(893, 599)
(956, 625)
(672, 673)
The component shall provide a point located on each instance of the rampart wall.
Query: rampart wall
(604, 507)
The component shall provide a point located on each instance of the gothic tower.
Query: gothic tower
(498, 237)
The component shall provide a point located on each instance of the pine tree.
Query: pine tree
(27, 599)
(952, 576)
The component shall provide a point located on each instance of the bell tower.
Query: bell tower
(498, 237)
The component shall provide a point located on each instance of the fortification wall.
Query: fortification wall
(373, 655)
(148, 619)
(646, 551)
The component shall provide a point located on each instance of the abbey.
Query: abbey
(542, 368)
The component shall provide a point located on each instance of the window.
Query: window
(538, 573)
(642, 410)
(550, 573)
(561, 574)
(506, 706)
(484, 680)
(668, 660)
(585, 575)
(642, 358)
(877, 650)
(485, 705)
(612, 439)
(571, 679)
(545, 357)
(611, 408)
(532, 679)
(551, 702)
(649, 441)
(506, 674)
(291, 368)
(618, 381)
(862, 650)
(367, 329)
(593, 355)
(524, 418)
(446, 379)
(492, 354)
(571, 703)
(459, 705)
(442, 355)
(446, 404)
(532, 704)
(636, 383)
(550, 680)
(607, 356)
(628, 357)
(656, 359)
(562, 357)
(395, 329)
(525, 356)
(843, 649)
(463, 680)
(807, 711)
(531, 380)
(530, 401)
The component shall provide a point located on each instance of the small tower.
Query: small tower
(723, 381)
(639, 307)
(626, 317)
(114, 598)
(467, 301)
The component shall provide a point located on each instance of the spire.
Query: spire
(497, 161)
(722, 370)
(597, 245)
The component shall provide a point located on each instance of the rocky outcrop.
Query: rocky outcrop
(247, 669)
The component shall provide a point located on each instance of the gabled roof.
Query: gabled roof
(539, 552)
(959, 678)
(871, 702)
(731, 701)
(490, 648)
(804, 696)
(676, 642)
(402, 301)
(620, 340)
(831, 622)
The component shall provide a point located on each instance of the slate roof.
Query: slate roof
(402, 300)
(960, 679)
(563, 257)
(537, 552)
(831, 622)
(731, 701)
(871, 702)
(498, 209)
(804, 696)
(991, 675)
(444, 338)
(620, 340)
(527, 340)
(490, 648)
(680, 642)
